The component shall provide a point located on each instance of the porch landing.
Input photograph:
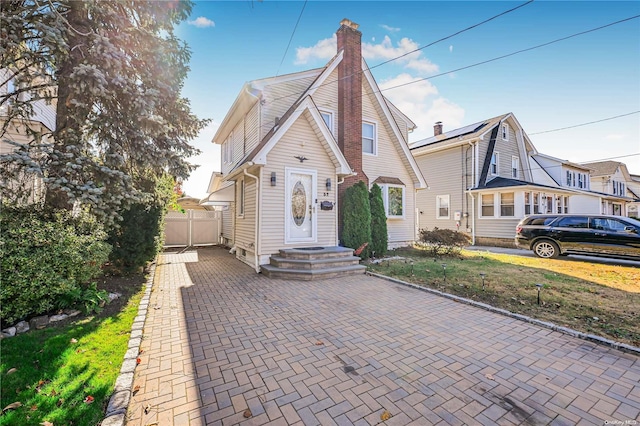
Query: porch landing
(313, 263)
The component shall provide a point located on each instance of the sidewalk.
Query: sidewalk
(223, 345)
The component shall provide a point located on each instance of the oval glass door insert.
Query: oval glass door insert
(298, 203)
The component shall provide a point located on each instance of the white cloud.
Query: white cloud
(323, 49)
(390, 29)
(451, 48)
(446, 111)
(202, 22)
(385, 50)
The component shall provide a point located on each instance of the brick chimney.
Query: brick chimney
(350, 105)
(437, 128)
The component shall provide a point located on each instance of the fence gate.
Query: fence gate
(192, 228)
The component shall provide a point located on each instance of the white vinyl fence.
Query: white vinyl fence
(192, 228)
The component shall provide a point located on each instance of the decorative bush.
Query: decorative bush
(356, 218)
(444, 242)
(46, 257)
(379, 236)
(138, 236)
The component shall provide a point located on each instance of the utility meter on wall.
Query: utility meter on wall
(457, 215)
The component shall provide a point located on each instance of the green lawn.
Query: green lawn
(589, 297)
(65, 374)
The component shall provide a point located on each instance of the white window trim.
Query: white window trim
(375, 138)
(331, 118)
(385, 198)
(497, 163)
(515, 160)
(480, 205)
(441, 197)
(504, 131)
(242, 199)
(514, 204)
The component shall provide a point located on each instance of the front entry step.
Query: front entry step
(313, 263)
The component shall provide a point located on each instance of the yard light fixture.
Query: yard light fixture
(539, 287)
(444, 271)
(483, 275)
(273, 178)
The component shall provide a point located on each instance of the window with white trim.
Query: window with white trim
(581, 180)
(569, 178)
(495, 158)
(327, 116)
(515, 167)
(369, 145)
(505, 131)
(486, 205)
(565, 204)
(227, 150)
(393, 197)
(507, 204)
(527, 203)
(241, 198)
(442, 206)
(536, 202)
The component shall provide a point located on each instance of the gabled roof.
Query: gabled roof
(565, 162)
(469, 131)
(603, 168)
(500, 182)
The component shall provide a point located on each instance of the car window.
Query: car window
(573, 222)
(608, 224)
(541, 220)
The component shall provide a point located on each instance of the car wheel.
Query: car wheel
(546, 249)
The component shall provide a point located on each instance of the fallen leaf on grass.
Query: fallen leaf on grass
(12, 406)
(522, 302)
(88, 399)
(46, 423)
(74, 340)
(53, 392)
(12, 370)
(60, 402)
(489, 376)
(247, 413)
(386, 415)
(34, 408)
(136, 389)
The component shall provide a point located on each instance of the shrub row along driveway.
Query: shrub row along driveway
(222, 343)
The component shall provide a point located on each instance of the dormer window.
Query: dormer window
(515, 167)
(505, 131)
(369, 138)
(327, 116)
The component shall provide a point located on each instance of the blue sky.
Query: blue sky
(583, 79)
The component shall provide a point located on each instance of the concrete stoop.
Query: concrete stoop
(313, 263)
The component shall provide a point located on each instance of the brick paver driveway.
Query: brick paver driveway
(223, 345)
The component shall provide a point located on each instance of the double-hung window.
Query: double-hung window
(442, 207)
(487, 204)
(536, 203)
(494, 163)
(327, 116)
(515, 167)
(507, 206)
(227, 150)
(527, 203)
(581, 182)
(505, 131)
(369, 138)
(569, 180)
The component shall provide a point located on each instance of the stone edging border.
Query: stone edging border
(565, 330)
(119, 402)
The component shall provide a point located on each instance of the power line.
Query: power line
(584, 124)
(291, 38)
(508, 54)
(405, 54)
(452, 35)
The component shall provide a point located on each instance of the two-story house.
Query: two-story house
(610, 180)
(483, 180)
(292, 144)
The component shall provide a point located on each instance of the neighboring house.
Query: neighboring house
(610, 179)
(292, 144)
(486, 176)
(633, 187)
(25, 188)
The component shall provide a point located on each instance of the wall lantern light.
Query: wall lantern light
(328, 184)
(273, 178)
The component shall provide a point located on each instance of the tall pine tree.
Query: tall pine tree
(379, 237)
(356, 218)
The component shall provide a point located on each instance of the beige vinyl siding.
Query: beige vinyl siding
(300, 139)
(388, 162)
(445, 172)
(245, 224)
(278, 98)
(326, 98)
(506, 150)
(251, 128)
(228, 222)
(401, 124)
(496, 228)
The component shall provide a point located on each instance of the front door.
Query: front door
(300, 221)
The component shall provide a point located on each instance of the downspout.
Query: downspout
(473, 219)
(340, 182)
(256, 240)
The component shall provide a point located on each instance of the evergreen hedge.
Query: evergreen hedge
(379, 236)
(356, 218)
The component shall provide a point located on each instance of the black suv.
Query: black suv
(553, 235)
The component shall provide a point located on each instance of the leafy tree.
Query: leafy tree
(356, 218)
(379, 237)
(114, 71)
